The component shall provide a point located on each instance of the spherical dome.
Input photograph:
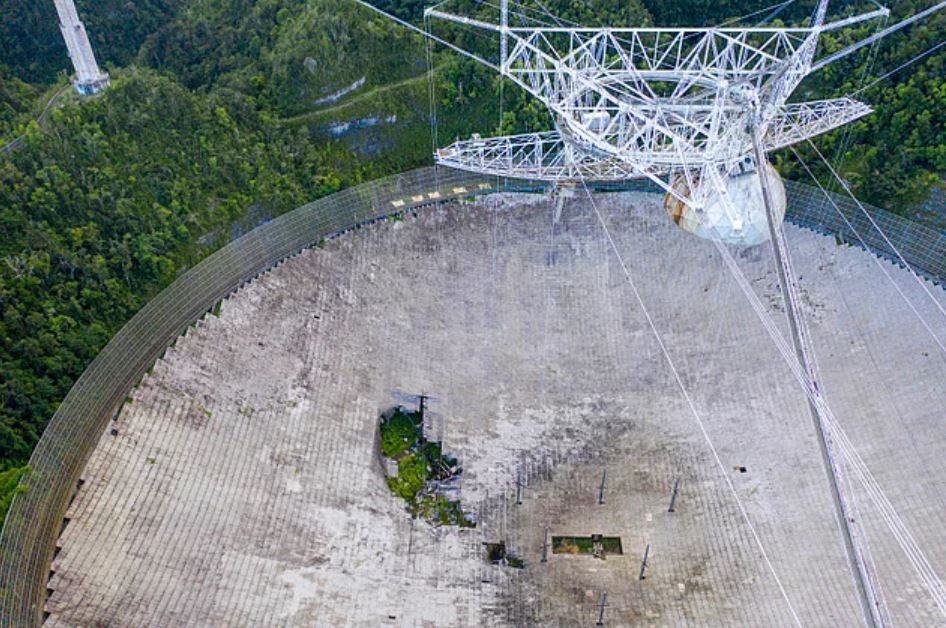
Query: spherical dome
(745, 224)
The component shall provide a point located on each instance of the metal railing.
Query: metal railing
(36, 517)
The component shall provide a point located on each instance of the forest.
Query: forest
(224, 113)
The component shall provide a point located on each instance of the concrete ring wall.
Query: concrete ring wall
(36, 517)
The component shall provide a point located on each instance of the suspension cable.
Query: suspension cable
(889, 514)
(431, 96)
(880, 78)
(432, 103)
(879, 264)
(893, 248)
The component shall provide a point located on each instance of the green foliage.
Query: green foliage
(411, 478)
(893, 157)
(439, 509)
(289, 55)
(33, 47)
(410, 10)
(400, 432)
(595, 12)
(432, 452)
(16, 99)
(522, 113)
(10, 486)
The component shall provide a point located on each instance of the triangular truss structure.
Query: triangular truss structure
(660, 103)
(548, 156)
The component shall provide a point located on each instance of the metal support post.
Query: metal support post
(641, 576)
(673, 494)
(604, 473)
(601, 606)
(518, 486)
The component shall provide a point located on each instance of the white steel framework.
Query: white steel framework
(89, 78)
(660, 103)
(547, 156)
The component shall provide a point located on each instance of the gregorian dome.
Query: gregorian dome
(734, 215)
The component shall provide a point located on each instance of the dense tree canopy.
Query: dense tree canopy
(16, 99)
(33, 47)
(893, 157)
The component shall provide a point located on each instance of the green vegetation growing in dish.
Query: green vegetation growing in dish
(400, 431)
(438, 509)
(423, 471)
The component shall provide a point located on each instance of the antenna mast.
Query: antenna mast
(88, 79)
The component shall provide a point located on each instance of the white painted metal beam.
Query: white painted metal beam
(89, 78)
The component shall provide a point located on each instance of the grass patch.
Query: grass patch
(439, 509)
(422, 469)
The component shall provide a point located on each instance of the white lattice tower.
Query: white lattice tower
(88, 78)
